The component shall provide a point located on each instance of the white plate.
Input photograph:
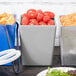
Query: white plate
(65, 69)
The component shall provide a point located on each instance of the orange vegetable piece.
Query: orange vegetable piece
(10, 20)
(68, 20)
(7, 19)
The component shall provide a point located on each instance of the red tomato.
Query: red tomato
(50, 14)
(50, 22)
(40, 15)
(33, 22)
(47, 13)
(31, 13)
(42, 23)
(46, 18)
(39, 11)
(24, 15)
(24, 21)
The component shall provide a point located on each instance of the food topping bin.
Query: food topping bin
(68, 42)
(37, 44)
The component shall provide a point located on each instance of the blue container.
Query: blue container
(3, 37)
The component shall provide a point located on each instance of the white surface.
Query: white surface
(59, 1)
(64, 69)
(55, 1)
(8, 56)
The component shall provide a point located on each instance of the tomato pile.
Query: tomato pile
(37, 17)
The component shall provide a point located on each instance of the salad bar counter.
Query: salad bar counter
(35, 35)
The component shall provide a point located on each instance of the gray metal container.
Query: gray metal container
(68, 45)
(37, 44)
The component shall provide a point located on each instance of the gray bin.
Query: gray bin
(37, 44)
(68, 45)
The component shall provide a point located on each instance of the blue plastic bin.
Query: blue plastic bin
(3, 37)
